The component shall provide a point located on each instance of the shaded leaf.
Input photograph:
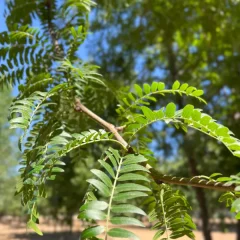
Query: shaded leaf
(122, 233)
(92, 232)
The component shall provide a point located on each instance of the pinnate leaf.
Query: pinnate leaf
(170, 110)
(92, 232)
(126, 221)
(102, 176)
(122, 233)
(100, 186)
(176, 85)
(127, 208)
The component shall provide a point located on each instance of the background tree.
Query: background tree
(8, 178)
(195, 42)
(35, 55)
(169, 48)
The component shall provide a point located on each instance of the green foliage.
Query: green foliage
(186, 117)
(116, 186)
(8, 161)
(169, 213)
(53, 76)
(142, 96)
(232, 198)
(30, 109)
(20, 53)
(46, 164)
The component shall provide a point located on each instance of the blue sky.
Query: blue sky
(2, 20)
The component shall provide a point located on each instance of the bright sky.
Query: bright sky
(2, 21)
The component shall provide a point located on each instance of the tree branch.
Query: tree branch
(108, 126)
(193, 182)
(158, 177)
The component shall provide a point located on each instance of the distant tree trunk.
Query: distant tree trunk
(202, 202)
(238, 230)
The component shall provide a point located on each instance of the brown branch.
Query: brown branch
(108, 126)
(158, 177)
(193, 182)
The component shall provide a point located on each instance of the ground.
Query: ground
(11, 229)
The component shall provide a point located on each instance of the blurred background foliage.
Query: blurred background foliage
(134, 41)
(9, 156)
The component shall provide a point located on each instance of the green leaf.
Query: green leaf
(187, 111)
(159, 114)
(147, 88)
(148, 113)
(131, 97)
(184, 86)
(20, 120)
(170, 110)
(190, 90)
(236, 206)
(112, 159)
(57, 169)
(102, 176)
(176, 85)
(126, 221)
(212, 126)
(133, 158)
(132, 168)
(215, 175)
(99, 205)
(205, 120)
(126, 102)
(128, 195)
(60, 163)
(196, 115)
(115, 153)
(131, 187)
(222, 131)
(107, 167)
(161, 86)
(100, 186)
(238, 216)
(127, 208)
(138, 90)
(224, 179)
(92, 214)
(235, 146)
(154, 86)
(32, 225)
(198, 93)
(92, 232)
(236, 154)
(122, 233)
(158, 234)
(133, 177)
(142, 120)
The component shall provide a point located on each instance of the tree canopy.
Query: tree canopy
(157, 59)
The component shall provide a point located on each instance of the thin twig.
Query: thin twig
(120, 128)
(108, 126)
